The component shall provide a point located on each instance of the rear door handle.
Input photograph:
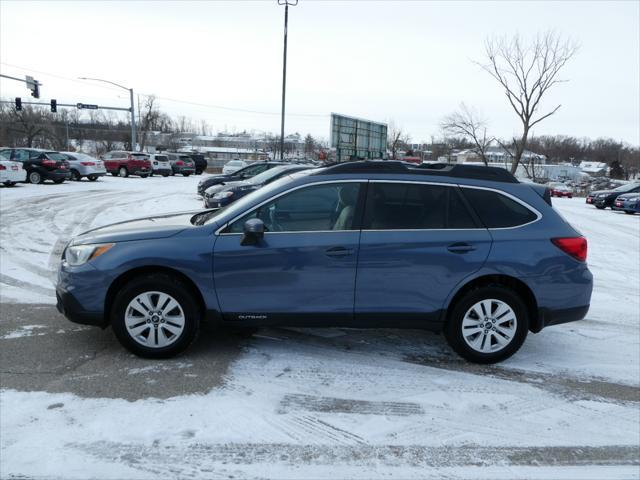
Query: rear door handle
(338, 252)
(460, 248)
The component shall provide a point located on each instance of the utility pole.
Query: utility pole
(131, 109)
(286, 4)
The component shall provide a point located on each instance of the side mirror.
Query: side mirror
(253, 232)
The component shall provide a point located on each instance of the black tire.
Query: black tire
(453, 328)
(151, 174)
(158, 283)
(115, 174)
(165, 175)
(92, 178)
(123, 172)
(35, 178)
(628, 212)
(144, 176)
(59, 181)
(75, 175)
(600, 207)
(9, 184)
(186, 174)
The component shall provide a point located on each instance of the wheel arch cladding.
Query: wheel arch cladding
(512, 283)
(145, 271)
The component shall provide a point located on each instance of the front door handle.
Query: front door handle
(460, 248)
(338, 252)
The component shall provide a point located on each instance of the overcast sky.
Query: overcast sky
(407, 62)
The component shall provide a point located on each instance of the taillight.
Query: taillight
(179, 162)
(2, 167)
(48, 163)
(573, 246)
(87, 164)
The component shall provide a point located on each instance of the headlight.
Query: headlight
(221, 195)
(81, 254)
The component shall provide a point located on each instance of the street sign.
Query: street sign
(86, 106)
(356, 138)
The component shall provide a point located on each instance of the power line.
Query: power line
(186, 102)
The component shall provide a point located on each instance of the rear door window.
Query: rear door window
(410, 206)
(497, 210)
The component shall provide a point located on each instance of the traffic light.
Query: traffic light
(18, 104)
(54, 105)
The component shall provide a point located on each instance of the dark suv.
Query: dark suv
(41, 164)
(199, 161)
(466, 250)
(181, 163)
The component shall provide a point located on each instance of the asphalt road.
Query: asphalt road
(41, 350)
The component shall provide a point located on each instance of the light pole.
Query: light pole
(286, 4)
(132, 109)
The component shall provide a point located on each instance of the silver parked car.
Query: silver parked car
(83, 165)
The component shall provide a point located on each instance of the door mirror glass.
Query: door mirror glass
(253, 231)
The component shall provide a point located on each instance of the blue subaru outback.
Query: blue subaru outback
(465, 250)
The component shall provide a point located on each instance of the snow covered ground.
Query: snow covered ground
(328, 403)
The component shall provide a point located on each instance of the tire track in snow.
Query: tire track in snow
(567, 387)
(198, 458)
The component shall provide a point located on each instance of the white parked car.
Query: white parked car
(11, 172)
(233, 166)
(160, 164)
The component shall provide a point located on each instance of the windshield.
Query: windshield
(240, 205)
(626, 188)
(56, 156)
(269, 174)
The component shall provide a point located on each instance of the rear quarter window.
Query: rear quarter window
(497, 210)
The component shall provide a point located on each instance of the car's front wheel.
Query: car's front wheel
(488, 324)
(155, 316)
(123, 172)
(92, 178)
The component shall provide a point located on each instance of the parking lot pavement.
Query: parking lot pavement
(42, 350)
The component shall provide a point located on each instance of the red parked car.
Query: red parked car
(558, 189)
(123, 164)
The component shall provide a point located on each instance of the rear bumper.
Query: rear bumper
(183, 170)
(162, 171)
(548, 317)
(13, 175)
(56, 174)
(141, 172)
(67, 304)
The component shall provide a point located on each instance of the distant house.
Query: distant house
(498, 156)
(595, 169)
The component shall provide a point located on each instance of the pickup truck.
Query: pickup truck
(123, 164)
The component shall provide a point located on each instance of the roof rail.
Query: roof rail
(495, 174)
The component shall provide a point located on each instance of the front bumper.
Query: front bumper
(67, 304)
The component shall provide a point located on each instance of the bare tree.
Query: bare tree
(526, 72)
(149, 116)
(396, 139)
(466, 122)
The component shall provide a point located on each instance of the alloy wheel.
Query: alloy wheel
(154, 319)
(489, 326)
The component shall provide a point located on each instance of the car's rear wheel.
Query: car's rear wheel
(76, 175)
(92, 178)
(9, 184)
(488, 324)
(35, 178)
(155, 316)
(123, 172)
(628, 212)
(59, 181)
